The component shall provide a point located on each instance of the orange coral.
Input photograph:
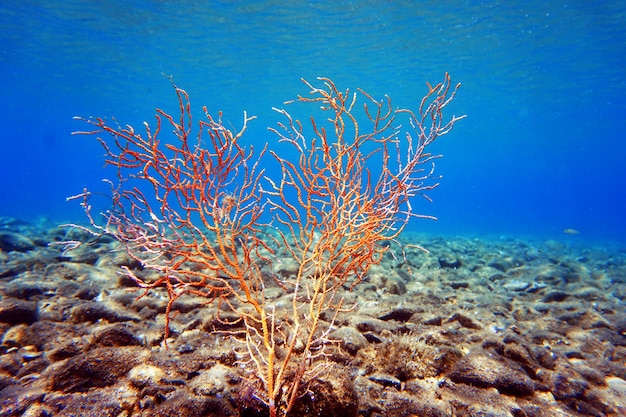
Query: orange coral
(334, 209)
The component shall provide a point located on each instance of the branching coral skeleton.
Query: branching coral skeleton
(334, 209)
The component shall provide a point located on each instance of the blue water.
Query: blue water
(543, 85)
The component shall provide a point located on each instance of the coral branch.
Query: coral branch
(189, 211)
(204, 236)
(346, 196)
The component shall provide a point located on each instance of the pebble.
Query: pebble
(12, 241)
(15, 311)
(516, 285)
(482, 370)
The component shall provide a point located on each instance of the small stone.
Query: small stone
(350, 338)
(449, 261)
(98, 368)
(215, 381)
(331, 394)
(11, 241)
(398, 314)
(521, 355)
(145, 374)
(395, 286)
(567, 386)
(555, 296)
(86, 293)
(16, 336)
(372, 337)
(17, 311)
(405, 275)
(465, 321)
(545, 357)
(446, 358)
(91, 311)
(116, 335)
(484, 371)
(286, 267)
(368, 324)
(17, 400)
(617, 384)
(26, 290)
(433, 321)
(386, 380)
(501, 265)
(63, 352)
(516, 285)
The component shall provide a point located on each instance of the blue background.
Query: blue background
(543, 85)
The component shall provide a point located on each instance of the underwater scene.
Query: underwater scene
(313, 208)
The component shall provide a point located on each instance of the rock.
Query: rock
(98, 403)
(386, 380)
(86, 293)
(215, 382)
(485, 371)
(183, 404)
(14, 311)
(15, 400)
(521, 355)
(145, 374)
(459, 284)
(433, 320)
(26, 290)
(332, 394)
(12, 241)
(91, 311)
(398, 314)
(395, 286)
(465, 321)
(116, 335)
(68, 271)
(545, 357)
(592, 375)
(64, 351)
(555, 296)
(83, 254)
(446, 358)
(350, 339)
(573, 318)
(516, 285)
(95, 369)
(501, 265)
(372, 337)
(404, 274)
(286, 267)
(16, 336)
(536, 287)
(449, 261)
(618, 385)
(554, 333)
(567, 386)
(369, 324)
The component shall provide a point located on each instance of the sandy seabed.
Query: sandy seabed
(476, 327)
